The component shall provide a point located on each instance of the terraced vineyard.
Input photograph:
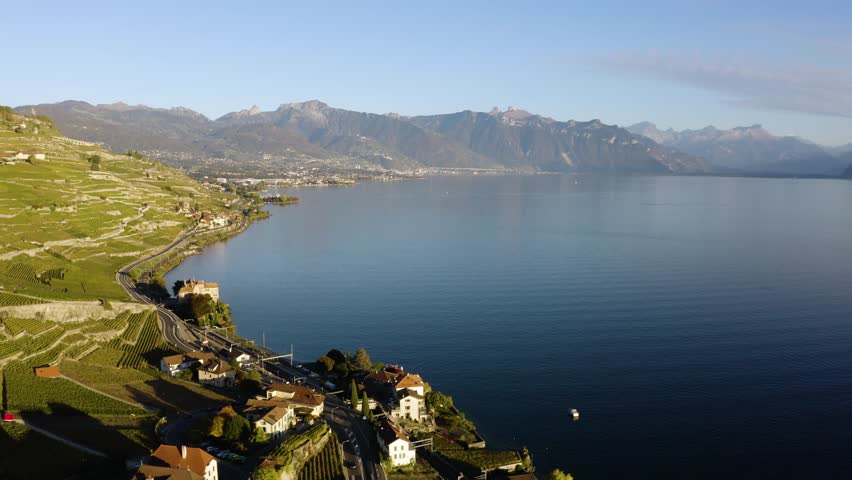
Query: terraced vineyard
(68, 228)
(10, 299)
(141, 339)
(325, 465)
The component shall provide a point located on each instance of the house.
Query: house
(156, 472)
(193, 459)
(272, 416)
(47, 372)
(410, 404)
(410, 381)
(191, 287)
(396, 444)
(235, 354)
(174, 364)
(216, 372)
(302, 398)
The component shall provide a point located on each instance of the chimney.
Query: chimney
(183, 451)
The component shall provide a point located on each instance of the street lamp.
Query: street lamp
(332, 413)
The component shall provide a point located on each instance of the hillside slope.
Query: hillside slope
(73, 213)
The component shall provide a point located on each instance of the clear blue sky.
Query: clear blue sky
(679, 64)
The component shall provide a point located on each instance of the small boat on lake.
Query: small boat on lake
(575, 414)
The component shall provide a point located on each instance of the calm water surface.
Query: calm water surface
(703, 326)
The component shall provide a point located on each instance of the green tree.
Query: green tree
(353, 395)
(438, 401)
(265, 473)
(217, 424)
(557, 474)
(336, 355)
(249, 382)
(258, 436)
(362, 360)
(177, 286)
(326, 363)
(235, 429)
(365, 406)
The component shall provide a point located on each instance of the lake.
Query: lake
(701, 325)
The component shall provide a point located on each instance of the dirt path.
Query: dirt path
(132, 404)
(76, 445)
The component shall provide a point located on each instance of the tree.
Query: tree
(235, 429)
(438, 401)
(177, 286)
(353, 395)
(557, 474)
(249, 382)
(365, 406)
(265, 473)
(362, 360)
(258, 436)
(217, 424)
(336, 355)
(326, 363)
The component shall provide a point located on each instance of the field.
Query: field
(24, 452)
(325, 465)
(136, 386)
(68, 225)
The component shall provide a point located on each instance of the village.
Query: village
(371, 421)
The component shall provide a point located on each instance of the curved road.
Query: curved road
(170, 323)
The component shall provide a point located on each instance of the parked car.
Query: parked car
(349, 464)
(8, 417)
(212, 450)
(224, 454)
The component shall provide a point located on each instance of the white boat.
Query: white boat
(575, 413)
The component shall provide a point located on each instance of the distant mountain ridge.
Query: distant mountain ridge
(750, 150)
(518, 139)
(513, 139)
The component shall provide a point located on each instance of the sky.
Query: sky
(785, 65)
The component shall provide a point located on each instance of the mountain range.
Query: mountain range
(750, 150)
(511, 139)
(507, 140)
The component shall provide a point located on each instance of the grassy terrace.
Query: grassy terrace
(69, 222)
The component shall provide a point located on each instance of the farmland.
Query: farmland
(68, 226)
(70, 221)
(24, 456)
(325, 465)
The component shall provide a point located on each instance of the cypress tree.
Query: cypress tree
(354, 395)
(365, 406)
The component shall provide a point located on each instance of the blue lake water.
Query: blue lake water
(702, 326)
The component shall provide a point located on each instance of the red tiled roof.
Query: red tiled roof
(196, 458)
(382, 376)
(409, 380)
(188, 357)
(300, 395)
(390, 432)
